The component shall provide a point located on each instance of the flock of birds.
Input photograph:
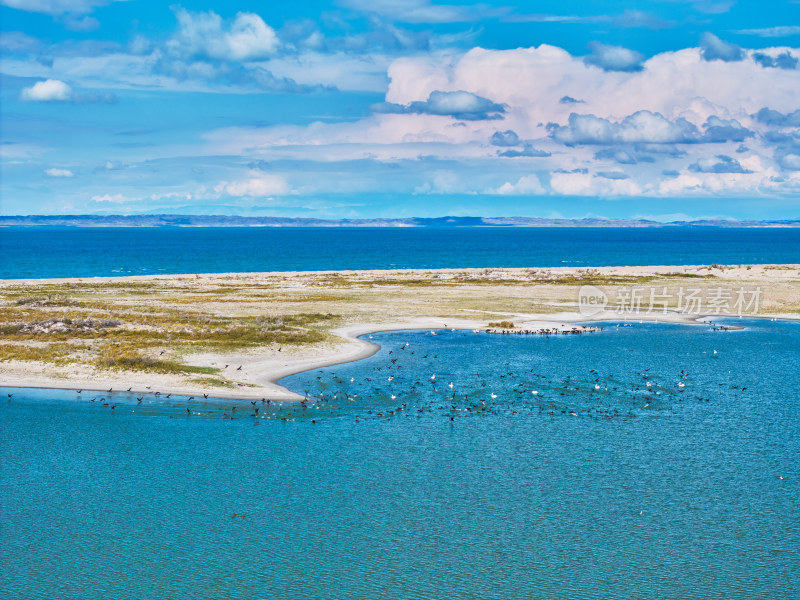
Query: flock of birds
(591, 395)
(547, 331)
(397, 387)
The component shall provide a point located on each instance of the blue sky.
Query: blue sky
(665, 109)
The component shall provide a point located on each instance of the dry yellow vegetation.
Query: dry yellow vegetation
(150, 324)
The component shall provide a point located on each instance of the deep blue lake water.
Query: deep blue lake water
(599, 486)
(91, 252)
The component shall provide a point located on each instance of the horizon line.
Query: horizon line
(206, 220)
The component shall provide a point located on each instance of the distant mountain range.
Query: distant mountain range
(236, 221)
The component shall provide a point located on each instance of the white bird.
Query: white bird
(494, 395)
(433, 377)
(390, 378)
(534, 392)
(649, 384)
(394, 397)
(715, 351)
(681, 384)
(352, 379)
(407, 344)
(451, 385)
(597, 386)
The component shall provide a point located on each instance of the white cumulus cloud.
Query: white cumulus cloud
(255, 186)
(112, 198)
(530, 83)
(642, 126)
(614, 58)
(245, 38)
(51, 90)
(585, 184)
(59, 173)
(527, 185)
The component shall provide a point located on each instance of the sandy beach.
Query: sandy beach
(181, 330)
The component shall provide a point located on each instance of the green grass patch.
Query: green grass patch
(114, 357)
(51, 353)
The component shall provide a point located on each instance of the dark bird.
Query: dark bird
(239, 368)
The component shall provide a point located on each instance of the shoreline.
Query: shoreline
(358, 349)
(561, 270)
(172, 314)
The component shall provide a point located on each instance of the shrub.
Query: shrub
(502, 324)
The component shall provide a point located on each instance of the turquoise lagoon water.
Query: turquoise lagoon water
(94, 252)
(626, 491)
